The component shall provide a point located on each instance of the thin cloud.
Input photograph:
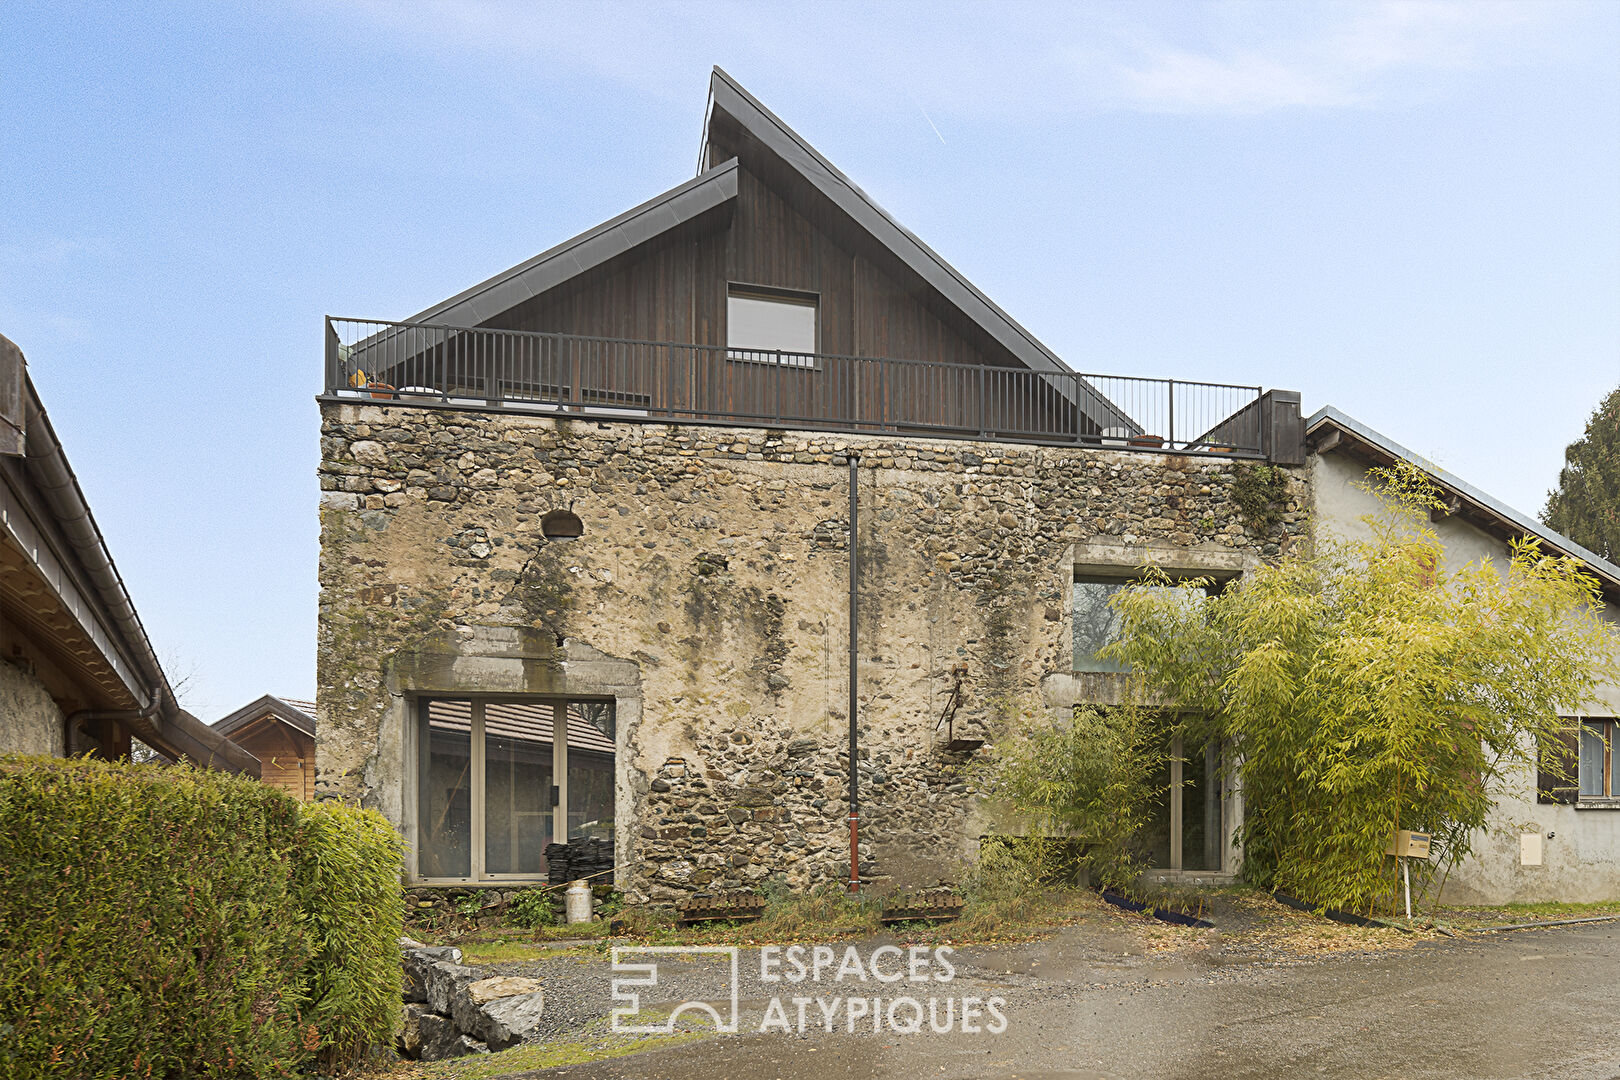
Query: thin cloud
(1017, 59)
(1349, 60)
(48, 251)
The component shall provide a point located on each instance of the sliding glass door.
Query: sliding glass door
(499, 779)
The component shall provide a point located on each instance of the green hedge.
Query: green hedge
(161, 921)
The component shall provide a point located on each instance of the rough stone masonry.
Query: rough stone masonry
(708, 597)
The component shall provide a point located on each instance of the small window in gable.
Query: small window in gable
(771, 327)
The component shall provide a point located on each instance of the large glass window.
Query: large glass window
(518, 752)
(771, 327)
(444, 789)
(493, 776)
(1096, 622)
(590, 771)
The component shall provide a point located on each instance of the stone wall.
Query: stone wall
(30, 722)
(708, 595)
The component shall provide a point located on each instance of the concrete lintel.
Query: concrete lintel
(1126, 560)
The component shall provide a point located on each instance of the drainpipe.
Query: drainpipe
(854, 674)
(137, 720)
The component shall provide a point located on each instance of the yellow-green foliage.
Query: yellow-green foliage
(169, 921)
(1088, 779)
(1370, 687)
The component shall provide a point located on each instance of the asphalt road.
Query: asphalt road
(1542, 1003)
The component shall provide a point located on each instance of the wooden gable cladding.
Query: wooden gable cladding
(892, 314)
(674, 288)
(287, 755)
(771, 244)
(655, 292)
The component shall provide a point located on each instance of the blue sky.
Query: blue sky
(1407, 210)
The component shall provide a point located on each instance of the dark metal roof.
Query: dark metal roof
(727, 95)
(294, 714)
(589, 249)
(1504, 516)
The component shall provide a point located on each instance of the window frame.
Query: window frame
(1103, 575)
(477, 791)
(1606, 729)
(773, 357)
(1176, 807)
(1551, 792)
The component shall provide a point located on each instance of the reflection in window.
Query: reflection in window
(445, 791)
(1185, 828)
(517, 786)
(490, 774)
(590, 771)
(1097, 623)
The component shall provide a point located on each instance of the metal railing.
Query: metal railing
(427, 363)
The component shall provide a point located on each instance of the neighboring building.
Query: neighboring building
(280, 732)
(77, 673)
(586, 541)
(1550, 838)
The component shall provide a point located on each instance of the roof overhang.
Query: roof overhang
(709, 191)
(56, 569)
(1329, 430)
(267, 706)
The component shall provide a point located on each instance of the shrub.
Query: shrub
(1088, 780)
(348, 888)
(162, 921)
(1369, 686)
(533, 908)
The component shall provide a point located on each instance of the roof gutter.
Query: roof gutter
(159, 719)
(1505, 516)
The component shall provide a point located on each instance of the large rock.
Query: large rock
(500, 1011)
(427, 1036)
(445, 981)
(417, 960)
(465, 1045)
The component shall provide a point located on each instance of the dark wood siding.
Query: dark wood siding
(777, 237)
(676, 290)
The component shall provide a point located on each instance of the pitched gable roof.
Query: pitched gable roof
(727, 98)
(590, 249)
(299, 715)
(1330, 422)
(717, 186)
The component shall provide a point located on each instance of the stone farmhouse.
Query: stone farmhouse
(631, 542)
